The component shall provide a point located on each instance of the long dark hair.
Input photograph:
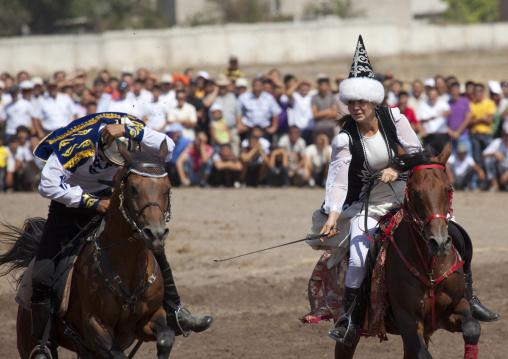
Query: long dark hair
(409, 161)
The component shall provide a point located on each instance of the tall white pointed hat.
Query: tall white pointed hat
(361, 84)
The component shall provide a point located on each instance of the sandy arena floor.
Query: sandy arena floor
(256, 300)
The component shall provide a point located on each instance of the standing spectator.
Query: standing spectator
(441, 87)
(469, 93)
(195, 164)
(324, 109)
(218, 127)
(185, 114)
(103, 98)
(193, 100)
(168, 95)
(202, 78)
(156, 111)
(241, 84)
(407, 111)
(482, 113)
(432, 114)
(230, 112)
(504, 87)
(459, 119)
(278, 175)
(6, 162)
(113, 85)
(393, 94)
(123, 103)
(258, 108)
(56, 110)
(461, 167)
(317, 160)
(174, 131)
(139, 98)
(496, 161)
(282, 121)
(300, 114)
(418, 96)
(78, 89)
(233, 72)
(295, 146)
(18, 113)
(226, 168)
(254, 156)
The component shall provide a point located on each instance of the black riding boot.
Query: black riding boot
(178, 318)
(478, 311)
(41, 318)
(345, 330)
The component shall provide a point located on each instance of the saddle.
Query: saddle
(63, 274)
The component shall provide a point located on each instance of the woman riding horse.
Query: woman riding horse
(367, 143)
(80, 163)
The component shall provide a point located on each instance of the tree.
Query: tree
(341, 8)
(472, 11)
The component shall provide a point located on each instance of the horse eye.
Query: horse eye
(134, 192)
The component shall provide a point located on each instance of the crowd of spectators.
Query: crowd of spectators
(272, 130)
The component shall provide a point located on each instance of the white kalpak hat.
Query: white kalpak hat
(112, 152)
(361, 84)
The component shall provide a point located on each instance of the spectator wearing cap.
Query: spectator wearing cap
(156, 111)
(241, 85)
(103, 99)
(233, 72)
(18, 113)
(56, 110)
(496, 95)
(300, 113)
(496, 161)
(168, 95)
(202, 78)
(482, 113)
(461, 168)
(258, 108)
(459, 119)
(185, 114)
(139, 97)
(195, 164)
(324, 109)
(219, 130)
(123, 103)
(418, 95)
(174, 131)
(226, 168)
(432, 115)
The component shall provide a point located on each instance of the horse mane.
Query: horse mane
(406, 162)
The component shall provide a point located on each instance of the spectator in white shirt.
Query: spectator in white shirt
(103, 98)
(496, 161)
(185, 114)
(139, 98)
(461, 169)
(156, 111)
(122, 104)
(17, 113)
(168, 95)
(432, 114)
(300, 114)
(295, 148)
(317, 160)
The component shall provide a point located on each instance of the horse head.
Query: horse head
(145, 194)
(428, 198)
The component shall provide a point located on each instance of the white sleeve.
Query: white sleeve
(494, 146)
(337, 180)
(153, 139)
(11, 163)
(53, 184)
(406, 135)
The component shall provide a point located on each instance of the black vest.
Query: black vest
(359, 169)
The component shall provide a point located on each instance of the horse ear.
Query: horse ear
(400, 151)
(163, 151)
(445, 153)
(122, 148)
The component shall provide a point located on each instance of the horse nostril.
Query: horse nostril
(433, 244)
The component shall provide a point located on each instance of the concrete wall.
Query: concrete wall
(258, 44)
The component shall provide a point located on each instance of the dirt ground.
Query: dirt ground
(256, 300)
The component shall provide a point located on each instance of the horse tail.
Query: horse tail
(23, 242)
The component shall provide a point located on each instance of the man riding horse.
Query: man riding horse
(81, 160)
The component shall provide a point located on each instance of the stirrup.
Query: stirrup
(38, 349)
(349, 331)
(182, 309)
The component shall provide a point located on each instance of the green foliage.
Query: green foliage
(472, 11)
(341, 8)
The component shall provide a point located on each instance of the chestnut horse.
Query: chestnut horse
(117, 288)
(424, 277)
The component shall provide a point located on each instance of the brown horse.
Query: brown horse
(424, 277)
(117, 288)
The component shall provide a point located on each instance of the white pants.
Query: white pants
(358, 250)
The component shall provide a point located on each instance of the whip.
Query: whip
(309, 237)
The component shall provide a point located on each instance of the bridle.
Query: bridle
(125, 211)
(413, 216)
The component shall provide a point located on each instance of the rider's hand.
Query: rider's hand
(103, 206)
(329, 227)
(389, 175)
(109, 132)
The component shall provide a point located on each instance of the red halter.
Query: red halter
(417, 221)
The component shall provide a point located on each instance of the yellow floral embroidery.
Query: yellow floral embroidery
(88, 201)
(83, 133)
(69, 150)
(64, 142)
(78, 157)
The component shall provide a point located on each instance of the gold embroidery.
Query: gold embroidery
(86, 143)
(69, 150)
(64, 143)
(88, 201)
(78, 157)
(83, 133)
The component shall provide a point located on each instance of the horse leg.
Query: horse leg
(164, 335)
(462, 320)
(99, 340)
(344, 352)
(414, 343)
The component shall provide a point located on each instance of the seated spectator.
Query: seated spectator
(461, 169)
(219, 130)
(295, 146)
(317, 160)
(254, 156)
(27, 174)
(278, 169)
(496, 161)
(174, 131)
(185, 114)
(12, 164)
(226, 168)
(195, 163)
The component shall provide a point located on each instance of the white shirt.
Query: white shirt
(67, 187)
(318, 158)
(185, 113)
(140, 102)
(301, 113)
(24, 153)
(337, 180)
(56, 113)
(103, 103)
(460, 168)
(498, 145)
(120, 105)
(19, 113)
(169, 99)
(265, 146)
(426, 111)
(157, 113)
